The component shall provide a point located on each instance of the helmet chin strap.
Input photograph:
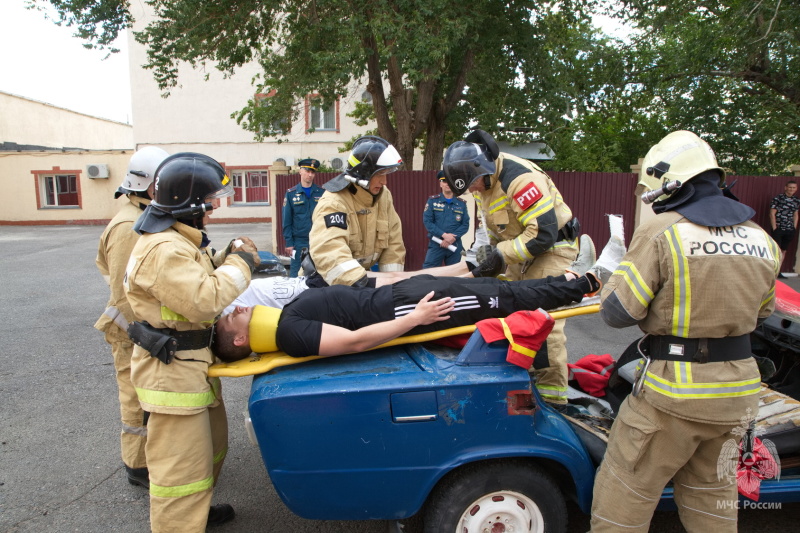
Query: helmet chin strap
(193, 211)
(364, 184)
(193, 215)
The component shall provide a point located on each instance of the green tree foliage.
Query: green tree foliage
(727, 70)
(431, 66)
(96, 22)
(522, 70)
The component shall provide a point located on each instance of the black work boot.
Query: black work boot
(492, 266)
(220, 513)
(138, 476)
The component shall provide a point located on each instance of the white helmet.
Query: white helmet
(681, 156)
(142, 168)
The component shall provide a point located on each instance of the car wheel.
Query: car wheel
(502, 497)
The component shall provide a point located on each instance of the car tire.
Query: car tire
(498, 497)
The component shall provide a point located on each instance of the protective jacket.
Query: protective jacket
(524, 212)
(352, 231)
(172, 283)
(297, 211)
(686, 280)
(113, 253)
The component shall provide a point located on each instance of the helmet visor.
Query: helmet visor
(225, 191)
(389, 160)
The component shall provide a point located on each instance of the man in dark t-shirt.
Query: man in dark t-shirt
(783, 214)
(342, 319)
(337, 320)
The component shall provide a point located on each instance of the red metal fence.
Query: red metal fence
(590, 195)
(410, 190)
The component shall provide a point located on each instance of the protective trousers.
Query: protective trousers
(551, 379)
(647, 448)
(134, 431)
(185, 454)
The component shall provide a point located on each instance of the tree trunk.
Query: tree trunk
(405, 141)
(434, 145)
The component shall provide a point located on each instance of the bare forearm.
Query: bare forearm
(387, 278)
(337, 341)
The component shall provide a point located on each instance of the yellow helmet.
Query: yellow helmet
(681, 156)
(263, 328)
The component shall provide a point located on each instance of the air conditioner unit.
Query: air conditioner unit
(97, 171)
(337, 163)
(288, 161)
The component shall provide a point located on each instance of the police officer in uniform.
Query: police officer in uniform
(298, 206)
(446, 218)
(532, 227)
(113, 253)
(176, 293)
(697, 278)
(355, 225)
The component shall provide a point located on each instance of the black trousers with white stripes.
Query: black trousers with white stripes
(480, 298)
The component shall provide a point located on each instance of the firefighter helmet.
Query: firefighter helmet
(185, 185)
(681, 156)
(464, 162)
(186, 181)
(370, 155)
(142, 168)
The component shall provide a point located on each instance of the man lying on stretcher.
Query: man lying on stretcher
(340, 319)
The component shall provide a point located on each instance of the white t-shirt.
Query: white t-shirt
(274, 292)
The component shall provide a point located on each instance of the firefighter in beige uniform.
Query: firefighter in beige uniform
(176, 293)
(355, 225)
(696, 280)
(113, 253)
(528, 221)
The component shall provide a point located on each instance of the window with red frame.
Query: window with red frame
(250, 186)
(58, 190)
(319, 118)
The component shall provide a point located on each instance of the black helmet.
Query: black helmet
(464, 162)
(185, 181)
(369, 155)
(185, 184)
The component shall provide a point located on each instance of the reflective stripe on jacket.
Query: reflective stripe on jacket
(523, 209)
(369, 233)
(172, 283)
(691, 281)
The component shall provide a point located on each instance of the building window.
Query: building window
(57, 188)
(250, 186)
(320, 118)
